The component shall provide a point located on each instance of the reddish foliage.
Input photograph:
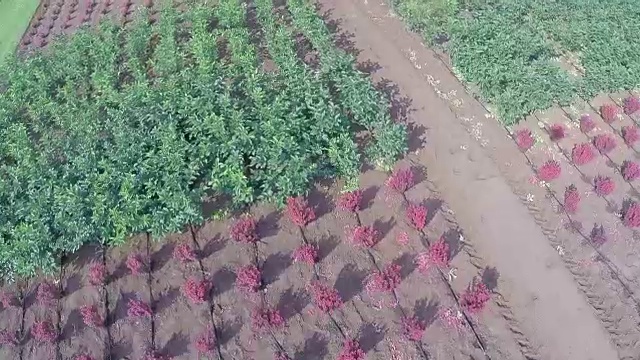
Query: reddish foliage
(417, 216)
(400, 180)
(524, 139)
(413, 328)
(154, 355)
(557, 132)
(631, 216)
(385, 280)
(281, 356)
(587, 124)
(8, 299)
(196, 290)
(630, 170)
(249, 279)
(438, 255)
(43, 331)
(571, 199)
(475, 297)
(598, 236)
(244, 230)
(184, 253)
(325, 297)
(137, 308)
(365, 236)
(351, 351)
(264, 319)
(47, 293)
(307, 254)
(83, 357)
(135, 263)
(403, 238)
(609, 112)
(97, 274)
(582, 154)
(603, 185)
(631, 104)
(350, 201)
(206, 342)
(630, 134)
(549, 170)
(299, 212)
(8, 338)
(452, 318)
(90, 316)
(604, 143)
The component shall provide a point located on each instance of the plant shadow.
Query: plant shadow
(315, 348)
(370, 336)
(274, 265)
(349, 282)
(426, 311)
(222, 281)
(292, 303)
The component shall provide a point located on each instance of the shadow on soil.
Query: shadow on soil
(490, 276)
(452, 239)
(73, 284)
(161, 257)
(426, 311)
(315, 348)
(292, 303)
(407, 264)
(268, 224)
(274, 266)
(121, 350)
(165, 300)
(176, 346)
(370, 336)
(212, 246)
(222, 281)
(73, 324)
(349, 282)
(229, 330)
(326, 245)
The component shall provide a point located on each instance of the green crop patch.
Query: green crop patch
(14, 19)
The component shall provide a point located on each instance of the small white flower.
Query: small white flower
(560, 250)
(452, 274)
(530, 197)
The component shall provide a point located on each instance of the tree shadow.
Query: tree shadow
(320, 202)
(121, 308)
(433, 205)
(165, 300)
(490, 276)
(177, 345)
(426, 311)
(368, 195)
(349, 282)
(400, 105)
(84, 256)
(452, 239)
(222, 281)
(370, 336)
(368, 67)
(416, 136)
(119, 272)
(229, 330)
(212, 246)
(383, 227)
(326, 245)
(407, 263)
(161, 257)
(73, 324)
(292, 303)
(274, 266)
(73, 284)
(315, 348)
(268, 224)
(341, 38)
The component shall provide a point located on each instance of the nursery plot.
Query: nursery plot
(11, 318)
(41, 325)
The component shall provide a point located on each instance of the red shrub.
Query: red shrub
(631, 216)
(557, 132)
(137, 308)
(351, 351)
(524, 139)
(571, 199)
(630, 170)
(400, 180)
(604, 143)
(90, 316)
(8, 299)
(598, 236)
(350, 201)
(307, 254)
(8, 338)
(549, 170)
(264, 319)
(609, 112)
(324, 297)
(196, 290)
(630, 134)
(97, 274)
(438, 255)
(403, 238)
(47, 293)
(154, 355)
(385, 280)
(43, 331)
(299, 212)
(206, 342)
(587, 124)
(249, 279)
(244, 230)
(452, 318)
(582, 154)
(603, 185)
(475, 297)
(417, 216)
(413, 329)
(184, 253)
(135, 263)
(364, 236)
(631, 104)
(83, 357)
(281, 356)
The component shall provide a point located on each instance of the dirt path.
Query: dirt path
(553, 314)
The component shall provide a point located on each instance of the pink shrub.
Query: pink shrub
(264, 319)
(8, 338)
(307, 254)
(524, 139)
(43, 331)
(631, 104)
(417, 216)
(364, 236)
(452, 319)
(603, 185)
(609, 112)
(97, 274)
(582, 154)
(557, 132)
(571, 199)
(83, 357)
(206, 342)
(184, 253)
(475, 297)
(631, 216)
(326, 298)
(299, 211)
(249, 279)
(196, 290)
(244, 230)
(135, 264)
(90, 316)
(137, 308)
(385, 280)
(587, 124)
(351, 351)
(400, 180)
(604, 143)
(598, 236)
(630, 134)
(437, 255)
(154, 355)
(47, 293)
(630, 170)
(350, 201)
(403, 238)
(413, 329)
(549, 171)
(281, 356)
(8, 299)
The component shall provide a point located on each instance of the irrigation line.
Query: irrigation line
(149, 283)
(59, 308)
(23, 303)
(105, 294)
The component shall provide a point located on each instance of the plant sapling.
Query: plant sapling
(184, 253)
(550, 170)
(524, 139)
(571, 199)
(299, 212)
(587, 124)
(249, 279)
(631, 104)
(135, 264)
(604, 143)
(137, 308)
(630, 134)
(306, 253)
(609, 112)
(244, 230)
(413, 328)
(582, 154)
(351, 351)
(631, 216)
(206, 342)
(90, 316)
(630, 170)
(363, 236)
(350, 201)
(437, 255)
(326, 298)
(196, 290)
(264, 319)
(97, 274)
(475, 298)
(603, 185)
(400, 180)
(417, 216)
(385, 280)
(557, 132)
(43, 331)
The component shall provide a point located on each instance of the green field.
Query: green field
(519, 54)
(14, 19)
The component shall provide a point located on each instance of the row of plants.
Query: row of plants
(113, 132)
